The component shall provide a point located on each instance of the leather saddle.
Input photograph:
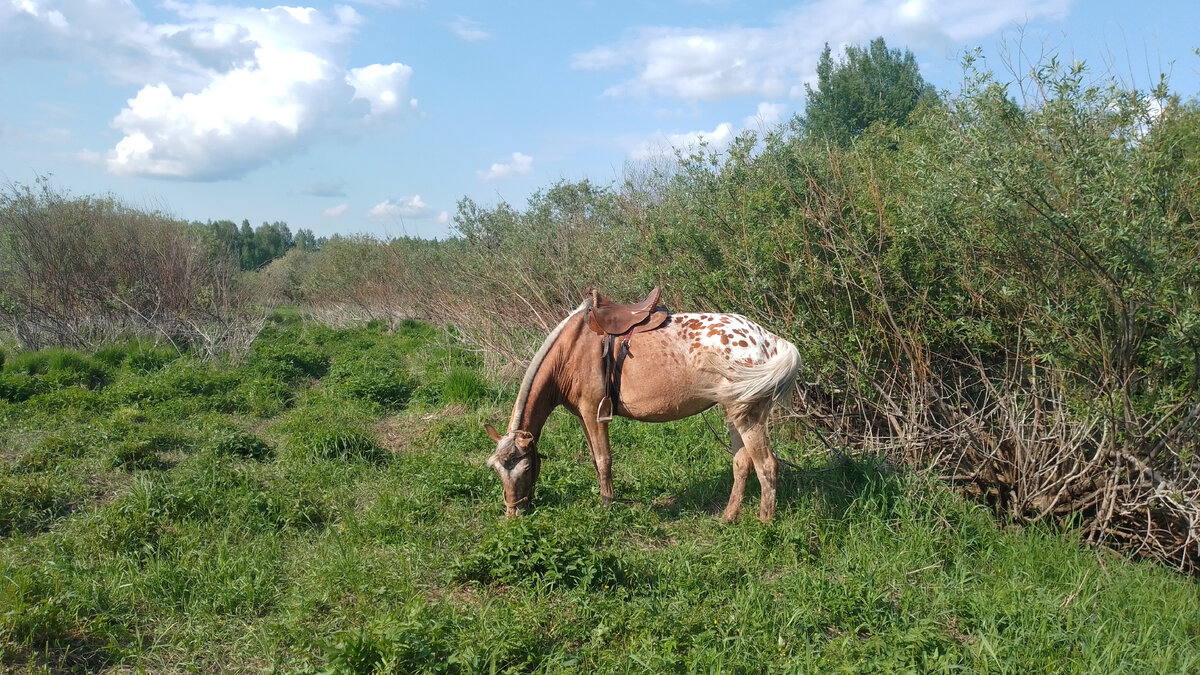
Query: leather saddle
(619, 322)
(610, 318)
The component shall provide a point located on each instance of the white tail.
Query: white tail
(772, 380)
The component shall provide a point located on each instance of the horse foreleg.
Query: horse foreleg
(597, 438)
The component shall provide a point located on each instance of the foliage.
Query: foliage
(870, 85)
(84, 271)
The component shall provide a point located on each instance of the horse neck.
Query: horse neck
(545, 391)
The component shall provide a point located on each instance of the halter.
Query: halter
(522, 500)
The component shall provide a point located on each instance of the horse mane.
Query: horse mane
(530, 372)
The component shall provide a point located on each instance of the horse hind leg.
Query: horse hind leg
(753, 431)
(741, 471)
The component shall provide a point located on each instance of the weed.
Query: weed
(30, 502)
(242, 444)
(463, 385)
(534, 550)
(288, 361)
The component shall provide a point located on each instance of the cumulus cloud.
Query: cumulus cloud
(409, 207)
(520, 165)
(381, 86)
(774, 61)
(221, 90)
(665, 144)
(766, 116)
(468, 30)
(336, 211)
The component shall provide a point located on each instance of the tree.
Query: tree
(870, 85)
(307, 241)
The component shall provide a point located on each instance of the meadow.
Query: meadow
(322, 506)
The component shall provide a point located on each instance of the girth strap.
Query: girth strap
(612, 361)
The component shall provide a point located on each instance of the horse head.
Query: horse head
(517, 462)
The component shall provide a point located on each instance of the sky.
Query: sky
(378, 116)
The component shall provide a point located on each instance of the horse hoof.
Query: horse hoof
(606, 501)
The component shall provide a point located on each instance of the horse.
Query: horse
(690, 363)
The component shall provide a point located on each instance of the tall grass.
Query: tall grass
(266, 540)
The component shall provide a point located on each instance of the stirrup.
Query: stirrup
(604, 411)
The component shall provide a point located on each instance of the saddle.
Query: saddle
(615, 321)
(610, 318)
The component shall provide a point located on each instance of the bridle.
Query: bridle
(519, 502)
(532, 452)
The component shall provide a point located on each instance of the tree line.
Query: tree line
(254, 247)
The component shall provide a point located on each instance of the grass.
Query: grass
(303, 512)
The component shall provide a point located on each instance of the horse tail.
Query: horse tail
(749, 385)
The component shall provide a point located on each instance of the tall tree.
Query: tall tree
(869, 85)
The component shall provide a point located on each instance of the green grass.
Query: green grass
(272, 515)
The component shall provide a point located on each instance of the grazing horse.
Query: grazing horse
(687, 365)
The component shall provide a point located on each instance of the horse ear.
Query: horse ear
(491, 432)
(524, 439)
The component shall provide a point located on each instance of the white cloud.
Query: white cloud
(766, 116)
(774, 61)
(521, 164)
(381, 86)
(411, 207)
(336, 211)
(443, 218)
(665, 144)
(466, 29)
(220, 91)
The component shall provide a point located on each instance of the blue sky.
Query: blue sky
(378, 116)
